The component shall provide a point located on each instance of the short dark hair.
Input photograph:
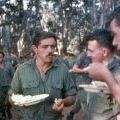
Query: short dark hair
(1, 52)
(103, 37)
(40, 35)
(114, 15)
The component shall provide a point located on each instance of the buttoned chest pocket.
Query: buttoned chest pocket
(31, 88)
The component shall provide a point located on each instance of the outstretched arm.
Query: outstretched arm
(76, 69)
(98, 71)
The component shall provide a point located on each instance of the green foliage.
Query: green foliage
(69, 19)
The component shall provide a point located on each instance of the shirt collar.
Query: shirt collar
(115, 62)
(55, 62)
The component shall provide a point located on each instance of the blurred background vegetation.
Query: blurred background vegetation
(70, 20)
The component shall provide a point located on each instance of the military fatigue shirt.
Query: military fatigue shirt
(57, 83)
(83, 61)
(102, 106)
(6, 74)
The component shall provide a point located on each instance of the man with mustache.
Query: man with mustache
(44, 74)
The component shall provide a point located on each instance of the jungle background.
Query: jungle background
(70, 20)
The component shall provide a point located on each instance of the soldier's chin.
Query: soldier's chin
(49, 60)
(118, 52)
(118, 48)
(49, 56)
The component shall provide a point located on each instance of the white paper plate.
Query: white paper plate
(29, 100)
(94, 89)
(99, 84)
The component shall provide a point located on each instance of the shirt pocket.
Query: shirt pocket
(31, 87)
(56, 91)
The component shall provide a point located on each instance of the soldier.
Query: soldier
(44, 74)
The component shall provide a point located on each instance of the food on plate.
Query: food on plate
(22, 100)
(99, 84)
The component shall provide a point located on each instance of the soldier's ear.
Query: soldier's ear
(34, 48)
(105, 52)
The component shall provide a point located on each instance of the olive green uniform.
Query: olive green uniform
(6, 74)
(82, 78)
(103, 106)
(57, 83)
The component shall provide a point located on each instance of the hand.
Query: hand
(76, 69)
(58, 105)
(118, 117)
(97, 71)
